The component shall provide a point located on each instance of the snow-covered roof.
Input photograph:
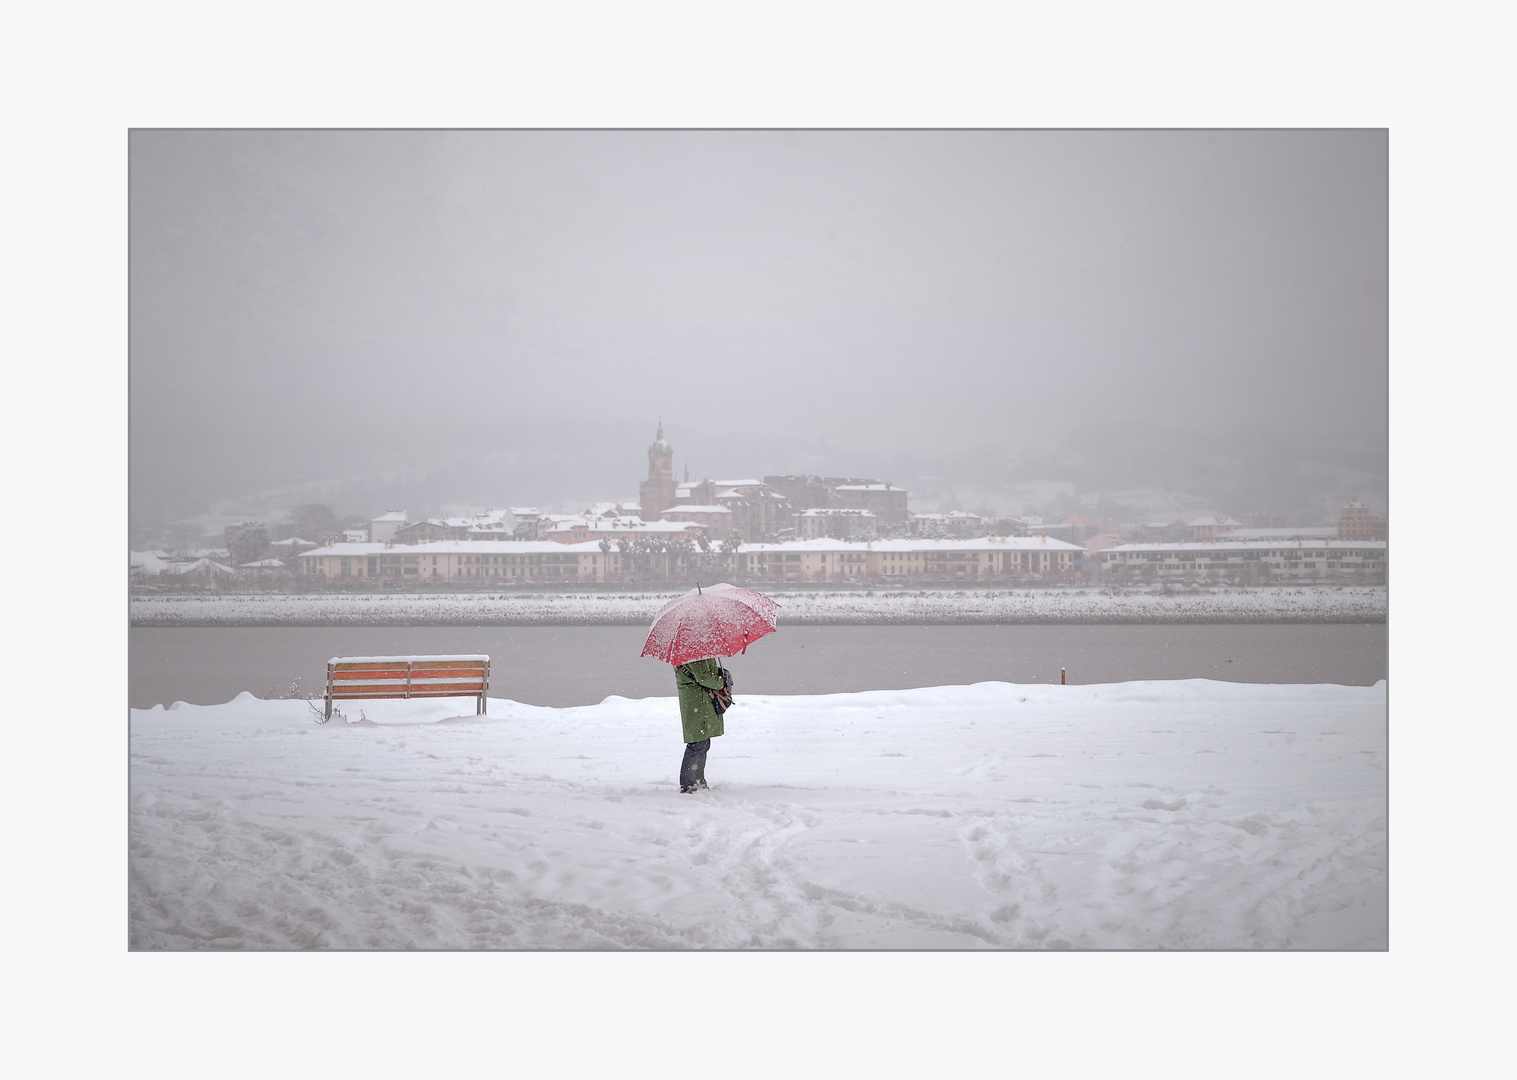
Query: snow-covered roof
(420, 656)
(392, 515)
(621, 526)
(738, 483)
(198, 564)
(1223, 520)
(452, 547)
(149, 562)
(867, 487)
(1254, 545)
(1327, 532)
(981, 543)
(697, 508)
(264, 564)
(836, 511)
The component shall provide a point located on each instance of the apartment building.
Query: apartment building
(836, 522)
(459, 562)
(984, 559)
(1355, 522)
(1248, 560)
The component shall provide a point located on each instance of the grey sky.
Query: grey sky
(502, 316)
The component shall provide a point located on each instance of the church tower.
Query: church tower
(656, 494)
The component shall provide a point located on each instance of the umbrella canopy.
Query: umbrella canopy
(717, 621)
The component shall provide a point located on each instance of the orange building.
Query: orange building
(1355, 522)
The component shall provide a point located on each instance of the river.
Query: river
(581, 665)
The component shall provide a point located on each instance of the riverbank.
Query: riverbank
(1141, 815)
(1265, 604)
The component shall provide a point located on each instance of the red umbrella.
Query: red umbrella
(716, 621)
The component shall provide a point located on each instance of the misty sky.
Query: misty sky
(502, 317)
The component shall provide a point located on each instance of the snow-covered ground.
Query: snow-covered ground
(1176, 815)
(1319, 603)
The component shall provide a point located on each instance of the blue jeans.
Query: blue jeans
(692, 770)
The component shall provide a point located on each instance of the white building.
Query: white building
(953, 523)
(459, 562)
(1248, 560)
(1313, 533)
(984, 559)
(840, 523)
(576, 529)
(1202, 529)
(382, 529)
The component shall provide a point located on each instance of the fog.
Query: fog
(1008, 321)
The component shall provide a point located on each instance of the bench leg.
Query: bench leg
(329, 706)
(483, 708)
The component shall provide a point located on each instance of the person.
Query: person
(699, 717)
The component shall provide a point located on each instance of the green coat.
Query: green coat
(695, 709)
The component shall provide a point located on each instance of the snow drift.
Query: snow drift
(1176, 815)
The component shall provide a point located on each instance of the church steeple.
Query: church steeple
(656, 494)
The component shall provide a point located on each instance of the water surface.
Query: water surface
(581, 665)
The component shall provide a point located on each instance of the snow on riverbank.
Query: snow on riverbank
(1346, 603)
(1181, 815)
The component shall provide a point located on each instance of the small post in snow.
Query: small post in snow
(1061, 677)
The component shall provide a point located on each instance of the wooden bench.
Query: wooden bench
(350, 677)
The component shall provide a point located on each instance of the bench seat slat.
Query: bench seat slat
(457, 665)
(369, 665)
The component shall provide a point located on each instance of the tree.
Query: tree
(678, 549)
(312, 521)
(249, 544)
(642, 554)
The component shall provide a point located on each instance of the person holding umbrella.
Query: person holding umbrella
(695, 682)
(690, 632)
